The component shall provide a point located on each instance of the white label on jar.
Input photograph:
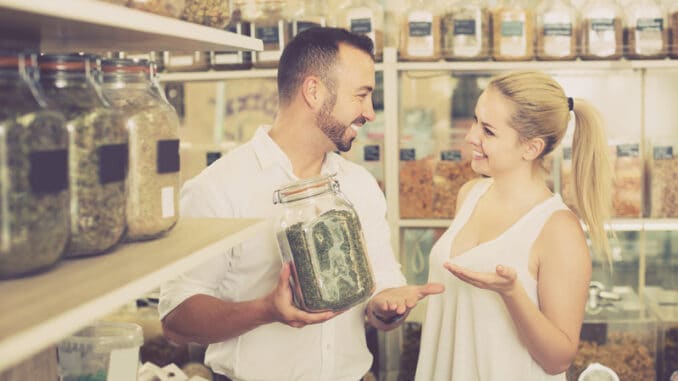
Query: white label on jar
(649, 35)
(557, 39)
(181, 61)
(602, 38)
(628, 150)
(274, 42)
(467, 41)
(420, 34)
(662, 153)
(226, 59)
(123, 365)
(167, 197)
(513, 41)
(361, 21)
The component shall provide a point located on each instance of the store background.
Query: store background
(426, 107)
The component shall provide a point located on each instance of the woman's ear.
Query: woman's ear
(312, 91)
(533, 148)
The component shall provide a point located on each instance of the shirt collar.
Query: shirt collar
(268, 153)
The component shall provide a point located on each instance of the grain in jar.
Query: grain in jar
(673, 26)
(646, 30)
(214, 13)
(420, 30)
(153, 127)
(169, 8)
(34, 193)
(97, 153)
(364, 17)
(628, 173)
(601, 30)
(513, 31)
(557, 30)
(465, 31)
(416, 185)
(663, 176)
(451, 172)
(269, 24)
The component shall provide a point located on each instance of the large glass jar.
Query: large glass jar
(153, 127)
(662, 169)
(513, 31)
(307, 14)
(97, 153)
(673, 26)
(170, 8)
(557, 30)
(452, 170)
(270, 26)
(214, 13)
(465, 31)
(646, 30)
(33, 173)
(601, 30)
(319, 233)
(420, 32)
(628, 175)
(364, 17)
(238, 60)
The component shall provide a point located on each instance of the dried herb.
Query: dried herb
(97, 165)
(331, 270)
(33, 214)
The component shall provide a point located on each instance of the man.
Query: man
(241, 303)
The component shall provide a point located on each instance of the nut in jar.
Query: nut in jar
(214, 13)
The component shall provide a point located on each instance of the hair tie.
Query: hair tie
(570, 103)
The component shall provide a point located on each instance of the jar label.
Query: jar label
(268, 34)
(168, 156)
(662, 153)
(211, 157)
(112, 163)
(453, 155)
(602, 37)
(407, 154)
(465, 27)
(512, 28)
(167, 201)
(558, 29)
(361, 25)
(628, 150)
(602, 25)
(49, 171)
(420, 28)
(649, 25)
(371, 153)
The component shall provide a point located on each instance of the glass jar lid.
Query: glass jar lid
(306, 188)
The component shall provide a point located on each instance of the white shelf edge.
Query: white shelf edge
(494, 66)
(621, 224)
(15, 348)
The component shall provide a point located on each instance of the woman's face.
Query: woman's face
(495, 145)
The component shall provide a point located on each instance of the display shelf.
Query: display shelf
(38, 311)
(578, 65)
(96, 26)
(627, 224)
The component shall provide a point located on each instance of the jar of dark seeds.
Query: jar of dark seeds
(33, 172)
(153, 127)
(319, 233)
(97, 157)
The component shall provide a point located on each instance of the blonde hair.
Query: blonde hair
(541, 110)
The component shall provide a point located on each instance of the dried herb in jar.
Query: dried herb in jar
(330, 263)
(214, 13)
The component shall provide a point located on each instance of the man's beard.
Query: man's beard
(333, 128)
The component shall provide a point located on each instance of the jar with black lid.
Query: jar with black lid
(319, 233)
(153, 127)
(97, 152)
(33, 172)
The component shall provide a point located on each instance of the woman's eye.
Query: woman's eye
(487, 131)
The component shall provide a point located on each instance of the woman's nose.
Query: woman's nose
(472, 136)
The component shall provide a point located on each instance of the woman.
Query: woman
(515, 262)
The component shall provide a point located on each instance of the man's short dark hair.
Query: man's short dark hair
(314, 52)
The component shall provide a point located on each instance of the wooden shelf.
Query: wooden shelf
(96, 26)
(40, 310)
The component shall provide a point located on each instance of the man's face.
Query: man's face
(350, 105)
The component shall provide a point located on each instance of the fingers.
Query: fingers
(285, 271)
(430, 289)
(506, 272)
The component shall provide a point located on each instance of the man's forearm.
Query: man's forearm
(205, 319)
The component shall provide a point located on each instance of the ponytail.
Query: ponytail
(592, 174)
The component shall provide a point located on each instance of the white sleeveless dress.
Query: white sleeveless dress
(468, 334)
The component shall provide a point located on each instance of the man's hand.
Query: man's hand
(282, 306)
(397, 303)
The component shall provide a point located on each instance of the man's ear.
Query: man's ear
(533, 148)
(313, 92)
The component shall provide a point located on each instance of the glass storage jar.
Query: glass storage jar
(557, 30)
(170, 8)
(673, 26)
(452, 170)
(465, 31)
(646, 30)
(214, 13)
(97, 153)
(33, 172)
(420, 32)
(601, 30)
(513, 31)
(307, 14)
(628, 174)
(269, 24)
(319, 233)
(662, 169)
(184, 61)
(364, 17)
(238, 60)
(153, 127)
(665, 304)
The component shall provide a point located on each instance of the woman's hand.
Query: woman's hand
(503, 280)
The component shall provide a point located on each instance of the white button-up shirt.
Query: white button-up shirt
(241, 185)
